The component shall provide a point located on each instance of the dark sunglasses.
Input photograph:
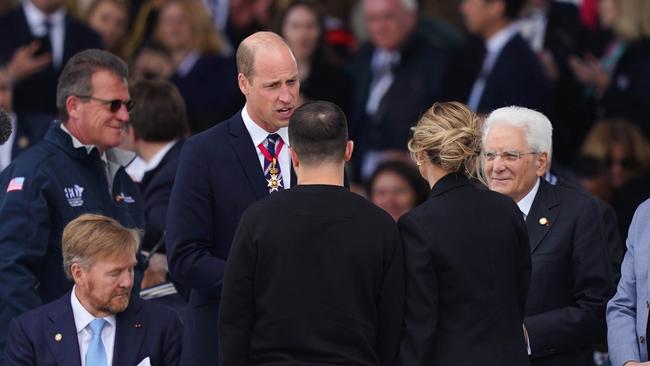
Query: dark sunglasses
(114, 105)
(627, 163)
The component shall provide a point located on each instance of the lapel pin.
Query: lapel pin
(544, 221)
(137, 325)
(58, 337)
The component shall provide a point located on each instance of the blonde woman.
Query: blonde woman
(467, 254)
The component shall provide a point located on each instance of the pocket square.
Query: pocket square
(145, 362)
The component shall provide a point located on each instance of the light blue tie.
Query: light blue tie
(96, 355)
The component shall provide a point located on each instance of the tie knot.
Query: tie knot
(97, 325)
(272, 138)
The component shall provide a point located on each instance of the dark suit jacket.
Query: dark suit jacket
(156, 187)
(37, 93)
(315, 276)
(417, 85)
(218, 177)
(210, 91)
(571, 280)
(468, 269)
(144, 329)
(517, 77)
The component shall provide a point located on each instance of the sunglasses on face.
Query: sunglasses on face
(114, 105)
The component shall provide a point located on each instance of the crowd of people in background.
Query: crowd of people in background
(584, 66)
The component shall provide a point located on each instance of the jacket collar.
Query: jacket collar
(543, 214)
(449, 182)
(61, 333)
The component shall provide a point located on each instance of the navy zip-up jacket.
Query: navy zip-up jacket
(46, 187)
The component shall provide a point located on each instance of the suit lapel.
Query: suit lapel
(129, 334)
(61, 334)
(542, 215)
(243, 147)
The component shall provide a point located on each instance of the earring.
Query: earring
(418, 163)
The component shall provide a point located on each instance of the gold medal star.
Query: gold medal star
(274, 183)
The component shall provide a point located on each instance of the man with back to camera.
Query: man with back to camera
(316, 273)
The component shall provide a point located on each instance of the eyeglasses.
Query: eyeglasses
(114, 105)
(509, 156)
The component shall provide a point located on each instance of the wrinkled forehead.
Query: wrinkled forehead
(504, 137)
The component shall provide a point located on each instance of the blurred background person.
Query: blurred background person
(207, 80)
(38, 38)
(397, 187)
(158, 127)
(6, 100)
(496, 67)
(151, 62)
(397, 75)
(302, 24)
(620, 79)
(110, 19)
(467, 256)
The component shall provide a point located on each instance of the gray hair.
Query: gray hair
(536, 126)
(75, 79)
(410, 5)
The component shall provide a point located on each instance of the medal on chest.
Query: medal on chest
(276, 179)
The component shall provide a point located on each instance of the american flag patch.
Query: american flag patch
(16, 184)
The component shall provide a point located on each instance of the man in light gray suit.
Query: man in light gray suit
(627, 311)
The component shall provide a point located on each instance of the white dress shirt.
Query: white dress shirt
(258, 135)
(36, 19)
(82, 319)
(494, 46)
(7, 147)
(382, 64)
(527, 202)
(139, 167)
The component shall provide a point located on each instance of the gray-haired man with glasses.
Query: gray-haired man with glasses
(571, 279)
(72, 171)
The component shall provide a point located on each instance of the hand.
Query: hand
(589, 72)
(25, 63)
(634, 363)
(156, 272)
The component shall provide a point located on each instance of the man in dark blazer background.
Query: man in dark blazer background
(498, 68)
(572, 277)
(40, 38)
(98, 322)
(397, 76)
(316, 273)
(221, 172)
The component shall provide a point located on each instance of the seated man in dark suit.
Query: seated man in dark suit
(315, 273)
(397, 76)
(158, 129)
(502, 68)
(39, 38)
(572, 277)
(97, 323)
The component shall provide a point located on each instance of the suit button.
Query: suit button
(642, 339)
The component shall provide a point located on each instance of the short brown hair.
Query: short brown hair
(159, 114)
(90, 237)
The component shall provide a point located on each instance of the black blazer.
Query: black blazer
(219, 176)
(315, 276)
(37, 93)
(467, 274)
(156, 187)
(571, 280)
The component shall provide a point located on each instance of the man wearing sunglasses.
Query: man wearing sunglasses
(572, 278)
(73, 171)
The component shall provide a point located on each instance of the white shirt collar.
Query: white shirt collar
(187, 64)
(258, 134)
(527, 202)
(81, 316)
(35, 18)
(76, 143)
(116, 156)
(157, 158)
(499, 40)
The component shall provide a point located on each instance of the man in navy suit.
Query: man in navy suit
(97, 323)
(39, 39)
(572, 277)
(220, 173)
(504, 70)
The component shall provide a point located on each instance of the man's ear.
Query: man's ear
(72, 106)
(77, 273)
(295, 161)
(349, 148)
(541, 164)
(244, 84)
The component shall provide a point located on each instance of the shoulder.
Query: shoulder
(156, 313)
(34, 319)
(215, 137)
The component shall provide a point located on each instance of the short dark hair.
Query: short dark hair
(159, 114)
(76, 77)
(318, 132)
(408, 172)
